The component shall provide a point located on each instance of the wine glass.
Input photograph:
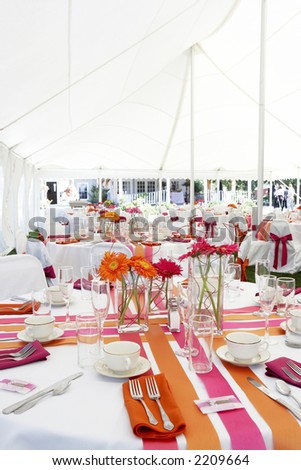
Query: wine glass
(95, 259)
(185, 310)
(65, 283)
(262, 268)
(232, 276)
(267, 299)
(100, 295)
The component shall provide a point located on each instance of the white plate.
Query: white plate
(142, 367)
(223, 354)
(57, 333)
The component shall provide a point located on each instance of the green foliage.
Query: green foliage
(94, 194)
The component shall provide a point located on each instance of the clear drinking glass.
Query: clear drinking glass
(267, 299)
(66, 283)
(262, 268)
(285, 295)
(100, 295)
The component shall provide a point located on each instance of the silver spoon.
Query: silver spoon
(285, 389)
(59, 390)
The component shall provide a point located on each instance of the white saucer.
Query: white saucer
(57, 333)
(293, 329)
(142, 367)
(223, 354)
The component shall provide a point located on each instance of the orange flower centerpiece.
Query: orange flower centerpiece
(131, 277)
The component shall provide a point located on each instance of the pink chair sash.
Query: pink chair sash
(208, 226)
(277, 241)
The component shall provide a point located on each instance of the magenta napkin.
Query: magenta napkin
(77, 284)
(38, 355)
(273, 369)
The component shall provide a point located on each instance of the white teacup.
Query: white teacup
(56, 295)
(121, 356)
(295, 316)
(39, 327)
(244, 346)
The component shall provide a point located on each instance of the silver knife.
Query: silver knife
(275, 397)
(45, 391)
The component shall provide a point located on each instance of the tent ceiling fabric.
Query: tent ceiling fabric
(104, 86)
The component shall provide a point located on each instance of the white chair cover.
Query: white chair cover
(20, 274)
(101, 247)
(21, 240)
(37, 248)
(282, 251)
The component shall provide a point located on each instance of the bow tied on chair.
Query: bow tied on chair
(284, 239)
(209, 227)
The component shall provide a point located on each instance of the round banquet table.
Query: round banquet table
(92, 414)
(78, 254)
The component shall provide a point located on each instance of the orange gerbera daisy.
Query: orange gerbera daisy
(113, 266)
(143, 267)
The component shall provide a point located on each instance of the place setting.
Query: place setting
(244, 349)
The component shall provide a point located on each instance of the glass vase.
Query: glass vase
(160, 291)
(206, 278)
(132, 306)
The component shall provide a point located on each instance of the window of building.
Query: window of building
(83, 191)
(140, 186)
(126, 187)
(151, 186)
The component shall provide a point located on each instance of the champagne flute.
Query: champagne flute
(100, 295)
(267, 298)
(185, 310)
(65, 283)
(262, 268)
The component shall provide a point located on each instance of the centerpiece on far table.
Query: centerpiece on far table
(131, 277)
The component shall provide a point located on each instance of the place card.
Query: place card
(14, 385)
(213, 405)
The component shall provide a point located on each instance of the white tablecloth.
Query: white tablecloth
(92, 414)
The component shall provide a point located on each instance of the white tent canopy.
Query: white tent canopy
(104, 86)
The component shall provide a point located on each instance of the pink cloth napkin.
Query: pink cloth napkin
(273, 369)
(38, 355)
(77, 284)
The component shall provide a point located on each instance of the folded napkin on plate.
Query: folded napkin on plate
(67, 242)
(38, 355)
(11, 309)
(139, 421)
(273, 369)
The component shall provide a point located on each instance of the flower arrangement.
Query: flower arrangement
(132, 273)
(133, 210)
(160, 285)
(111, 216)
(206, 277)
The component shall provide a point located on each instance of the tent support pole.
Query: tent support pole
(261, 121)
(192, 128)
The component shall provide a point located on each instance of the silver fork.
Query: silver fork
(294, 367)
(19, 358)
(136, 393)
(154, 394)
(17, 353)
(290, 375)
